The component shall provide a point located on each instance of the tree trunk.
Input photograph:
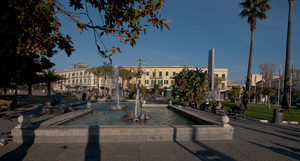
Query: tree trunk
(48, 90)
(285, 101)
(29, 90)
(123, 89)
(246, 95)
(105, 91)
(269, 101)
(98, 90)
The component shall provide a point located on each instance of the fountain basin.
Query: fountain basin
(125, 133)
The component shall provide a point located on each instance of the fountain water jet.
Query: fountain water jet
(117, 95)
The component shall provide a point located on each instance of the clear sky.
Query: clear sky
(196, 27)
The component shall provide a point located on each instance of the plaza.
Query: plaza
(252, 140)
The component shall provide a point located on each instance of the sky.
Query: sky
(196, 27)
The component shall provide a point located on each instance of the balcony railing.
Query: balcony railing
(156, 77)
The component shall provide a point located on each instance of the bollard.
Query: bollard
(89, 105)
(24, 121)
(225, 120)
(48, 104)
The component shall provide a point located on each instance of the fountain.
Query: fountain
(117, 95)
(138, 116)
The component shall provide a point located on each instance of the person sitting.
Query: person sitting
(83, 97)
(240, 111)
(216, 107)
(205, 106)
(233, 109)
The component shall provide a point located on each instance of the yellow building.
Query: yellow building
(222, 75)
(161, 75)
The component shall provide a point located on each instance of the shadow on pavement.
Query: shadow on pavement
(92, 150)
(264, 132)
(20, 152)
(281, 151)
(201, 154)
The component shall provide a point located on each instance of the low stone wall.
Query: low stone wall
(101, 134)
(154, 105)
(193, 116)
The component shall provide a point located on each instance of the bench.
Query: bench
(5, 105)
(240, 113)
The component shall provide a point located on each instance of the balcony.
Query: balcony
(156, 77)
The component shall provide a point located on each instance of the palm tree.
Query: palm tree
(50, 76)
(285, 101)
(253, 9)
(135, 74)
(125, 75)
(97, 72)
(107, 72)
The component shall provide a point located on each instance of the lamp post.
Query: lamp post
(139, 69)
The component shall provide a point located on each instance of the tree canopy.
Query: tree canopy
(191, 86)
(125, 19)
(32, 29)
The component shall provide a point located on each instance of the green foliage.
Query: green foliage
(76, 87)
(190, 86)
(176, 102)
(296, 93)
(261, 111)
(49, 77)
(131, 90)
(253, 9)
(234, 93)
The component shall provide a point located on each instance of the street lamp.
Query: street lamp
(139, 63)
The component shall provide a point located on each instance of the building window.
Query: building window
(160, 82)
(174, 73)
(146, 81)
(160, 73)
(152, 81)
(153, 73)
(223, 76)
(139, 81)
(216, 75)
(167, 73)
(223, 85)
(166, 81)
(147, 73)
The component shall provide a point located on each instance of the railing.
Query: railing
(156, 77)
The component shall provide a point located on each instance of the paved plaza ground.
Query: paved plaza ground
(252, 141)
